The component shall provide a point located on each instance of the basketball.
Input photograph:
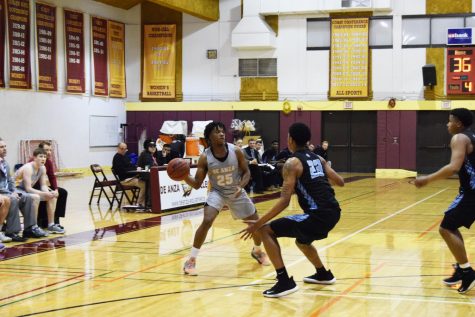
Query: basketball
(178, 169)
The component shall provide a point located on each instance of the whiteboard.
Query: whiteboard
(103, 131)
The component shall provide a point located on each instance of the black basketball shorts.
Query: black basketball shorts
(306, 227)
(460, 213)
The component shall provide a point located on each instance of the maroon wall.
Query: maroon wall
(311, 118)
(396, 139)
(152, 121)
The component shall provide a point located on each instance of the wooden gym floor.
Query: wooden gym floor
(386, 254)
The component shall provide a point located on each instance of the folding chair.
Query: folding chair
(101, 183)
(122, 191)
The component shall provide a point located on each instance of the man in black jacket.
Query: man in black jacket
(122, 167)
(166, 155)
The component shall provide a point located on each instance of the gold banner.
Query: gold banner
(349, 58)
(116, 56)
(159, 61)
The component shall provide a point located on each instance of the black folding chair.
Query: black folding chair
(101, 183)
(121, 191)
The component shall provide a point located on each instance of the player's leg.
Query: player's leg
(209, 215)
(257, 253)
(316, 227)
(213, 205)
(282, 227)
(322, 276)
(460, 215)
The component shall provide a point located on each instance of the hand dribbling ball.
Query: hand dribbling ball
(178, 169)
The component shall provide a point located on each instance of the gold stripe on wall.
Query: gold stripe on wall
(436, 55)
(324, 105)
(259, 88)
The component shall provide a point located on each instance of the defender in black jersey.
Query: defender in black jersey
(308, 175)
(462, 210)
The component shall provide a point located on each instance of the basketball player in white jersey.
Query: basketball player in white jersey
(228, 174)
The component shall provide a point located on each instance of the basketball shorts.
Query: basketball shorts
(307, 227)
(460, 213)
(241, 207)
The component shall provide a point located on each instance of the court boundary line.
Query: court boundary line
(308, 292)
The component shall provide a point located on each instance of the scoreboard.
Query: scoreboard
(460, 73)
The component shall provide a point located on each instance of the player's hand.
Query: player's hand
(421, 181)
(250, 230)
(238, 191)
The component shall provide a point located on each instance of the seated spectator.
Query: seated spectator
(269, 157)
(34, 173)
(311, 147)
(283, 155)
(60, 210)
(4, 207)
(270, 154)
(253, 158)
(238, 143)
(166, 155)
(259, 147)
(122, 167)
(18, 202)
(178, 145)
(322, 150)
(148, 157)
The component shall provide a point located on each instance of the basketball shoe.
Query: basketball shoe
(281, 288)
(456, 276)
(190, 267)
(468, 280)
(260, 257)
(326, 278)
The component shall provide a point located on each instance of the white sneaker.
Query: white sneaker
(56, 229)
(4, 238)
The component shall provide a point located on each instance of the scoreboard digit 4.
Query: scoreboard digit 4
(460, 73)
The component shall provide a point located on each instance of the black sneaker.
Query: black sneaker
(326, 278)
(281, 288)
(456, 276)
(16, 237)
(468, 281)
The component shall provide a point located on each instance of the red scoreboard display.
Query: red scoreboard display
(460, 73)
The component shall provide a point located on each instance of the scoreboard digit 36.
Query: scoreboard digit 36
(460, 72)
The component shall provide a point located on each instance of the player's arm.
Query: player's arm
(458, 145)
(333, 177)
(44, 185)
(245, 173)
(200, 175)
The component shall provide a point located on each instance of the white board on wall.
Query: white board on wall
(103, 131)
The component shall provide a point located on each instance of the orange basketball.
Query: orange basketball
(178, 169)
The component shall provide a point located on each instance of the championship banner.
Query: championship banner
(74, 47)
(116, 43)
(99, 56)
(46, 47)
(18, 12)
(2, 45)
(159, 61)
(349, 58)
